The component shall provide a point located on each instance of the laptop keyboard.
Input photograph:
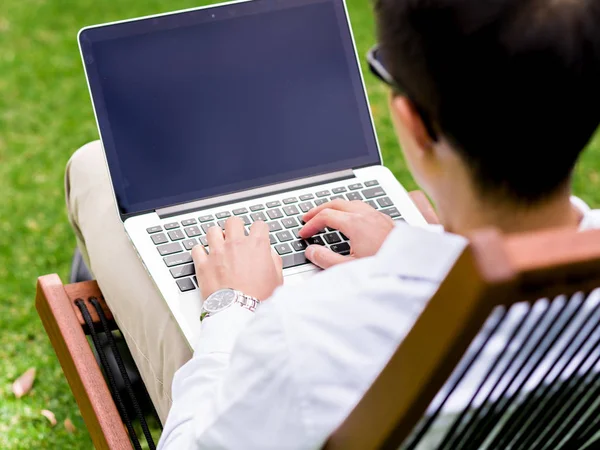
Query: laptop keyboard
(175, 240)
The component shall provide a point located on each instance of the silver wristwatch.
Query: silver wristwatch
(224, 298)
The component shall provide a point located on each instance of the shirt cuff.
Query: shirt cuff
(219, 332)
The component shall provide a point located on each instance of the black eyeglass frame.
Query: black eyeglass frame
(378, 69)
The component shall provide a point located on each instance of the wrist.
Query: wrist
(226, 298)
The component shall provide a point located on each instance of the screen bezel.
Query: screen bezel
(101, 116)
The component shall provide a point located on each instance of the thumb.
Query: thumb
(325, 258)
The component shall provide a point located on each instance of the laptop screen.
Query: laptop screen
(218, 100)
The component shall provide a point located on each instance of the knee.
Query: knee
(85, 170)
(85, 162)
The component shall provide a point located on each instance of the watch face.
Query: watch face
(219, 300)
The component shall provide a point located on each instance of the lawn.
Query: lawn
(45, 114)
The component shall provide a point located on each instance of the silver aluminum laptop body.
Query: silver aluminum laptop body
(155, 232)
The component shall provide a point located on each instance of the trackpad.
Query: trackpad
(297, 278)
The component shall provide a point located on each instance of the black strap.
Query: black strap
(136, 406)
(111, 381)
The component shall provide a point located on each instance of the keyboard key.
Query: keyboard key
(193, 231)
(323, 194)
(206, 226)
(299, 246)
(343, 236)
(240, 211)
(186, 285)
(385, 202)
(297, 233)
(195, 280)
(283, 249)
(372, 204)
(274, 226)
(373, 192)
(188, 222)
(372, 183)
(204, 240)
(321, 201)
(290, 200)
(205, 219)
(332, 238)
(257, 208)
(284, 236)
(273, 204)
(259, 216)
(315, 240)
(296, 259)
(223, 215)
(246, 220)
(392, 212)
(339, 190)
(342, 248)
(154, 229)
(176, 235)
(169, 249)
(354, 196)
(289, 222)
(172, 225)
(338, 197)
(355, 186)
(221, 223)
(176, 260)
(291, 210)
(306, 197)
(306, 206)
(182, 271)
(275, 213)
(189, 244)
(272, 239)
(159, 239)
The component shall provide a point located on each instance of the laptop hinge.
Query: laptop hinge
(197, 205)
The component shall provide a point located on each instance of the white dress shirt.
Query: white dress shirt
(286, 376)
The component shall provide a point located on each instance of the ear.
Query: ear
(407, 114)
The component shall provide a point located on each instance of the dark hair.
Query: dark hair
(514, 85)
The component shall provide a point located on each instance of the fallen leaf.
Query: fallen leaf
(24, 383)
(69, 426)
(50, 416)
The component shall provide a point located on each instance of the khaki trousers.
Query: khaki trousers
(156, 343)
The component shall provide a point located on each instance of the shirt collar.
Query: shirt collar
(429, 253)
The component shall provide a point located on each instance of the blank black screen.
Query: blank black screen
(191, 106)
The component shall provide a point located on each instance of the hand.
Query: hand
(237, 261)
(364, 226)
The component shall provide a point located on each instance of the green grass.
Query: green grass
(45, 114)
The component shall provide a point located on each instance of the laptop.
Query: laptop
(255, 109)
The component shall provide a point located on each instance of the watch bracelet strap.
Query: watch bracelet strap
(247, 302)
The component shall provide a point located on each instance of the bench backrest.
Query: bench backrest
(505, 355)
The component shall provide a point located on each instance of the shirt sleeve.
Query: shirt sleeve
(215, 393)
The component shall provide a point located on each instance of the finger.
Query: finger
(259, 230)
(325, 258)
(327, 218)
(277, 260)
(234, 228)
(215, 238)
(199, 255)
(340, 205)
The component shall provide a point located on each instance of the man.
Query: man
(492, 102)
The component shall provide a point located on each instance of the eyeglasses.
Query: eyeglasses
(378, 69)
